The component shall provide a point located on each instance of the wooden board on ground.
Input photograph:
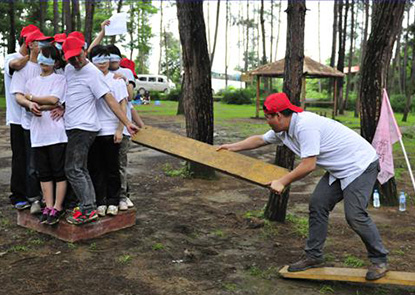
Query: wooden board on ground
(235, 164)
(349, 275)
(73, 233)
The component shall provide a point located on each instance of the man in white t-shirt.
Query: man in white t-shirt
(15, 62)
(352, 168)
(85, 85)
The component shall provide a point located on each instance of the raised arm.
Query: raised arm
(100, 35)
(18, 63)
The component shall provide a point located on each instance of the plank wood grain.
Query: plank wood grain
(238, 165)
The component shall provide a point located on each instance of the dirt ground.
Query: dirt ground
(191, 237)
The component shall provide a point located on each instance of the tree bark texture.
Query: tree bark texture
(340, 61)
(55, 17)
(197, 94)
(293, 72)
(11, 42)
(386, 21)
(362, 54)
(411, 88)
(76, 16)
(89, 18)
(42, 14)
(349, 74)
(212, 55)
(68, 18)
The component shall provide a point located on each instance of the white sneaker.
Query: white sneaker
(123, 206)
(101, 210)
(129, 203)
(112, 210)
(35, 208)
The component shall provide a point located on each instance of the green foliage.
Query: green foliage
(124, 259)
(174, 94)
(158, 246)
(155, 95)
(19, 248)
(71, 245)
(325, 289)
(182, 172)
(237, 96)
(170, 65)
(398, 102)
(218, 233)
(267, 274)
(230, 286)
(353, 261)
(300, 224)
(36, 242)
(93, 246)
(254, 213)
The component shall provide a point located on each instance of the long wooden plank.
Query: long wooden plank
(349, 275)
(235, 164)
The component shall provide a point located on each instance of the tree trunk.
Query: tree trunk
(411, 87)
(180, 108)
(42, 14)
(68, 19)
(161, 37)
(405, 56)
(271, 41)
(264, 52)
(340, 64)
(247, 38)
(226, 43)
(279, 30)
(11, 41)
(386, 21)
(197, 93)
(362, 54)
(216, 34)
(293, 72)
(89, 18)
(334, 41)
(55, 17)
(349, 74)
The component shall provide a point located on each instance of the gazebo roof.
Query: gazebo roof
(311, 68)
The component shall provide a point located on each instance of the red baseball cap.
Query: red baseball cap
(129, 64)
(36, 36)
(60, 38)
(72, 47)
(78, 35)
(27, 30)
(278, 102)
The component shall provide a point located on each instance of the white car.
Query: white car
(153, 83)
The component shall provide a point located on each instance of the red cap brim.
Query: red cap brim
(72, 53)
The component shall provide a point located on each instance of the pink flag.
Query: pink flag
(387, 133)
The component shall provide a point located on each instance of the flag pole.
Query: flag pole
(407, 163)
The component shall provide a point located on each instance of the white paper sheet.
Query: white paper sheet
(118, 24)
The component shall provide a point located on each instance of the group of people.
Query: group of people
(70, 116)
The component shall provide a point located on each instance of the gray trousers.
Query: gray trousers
(356, 198)
(76, 167)
(124, 147)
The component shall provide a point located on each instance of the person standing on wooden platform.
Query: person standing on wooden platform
(352, 167)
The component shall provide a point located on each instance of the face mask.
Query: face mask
(42, 44)
(41, 59)
(58, 46)
(114, 57)
(99, 59)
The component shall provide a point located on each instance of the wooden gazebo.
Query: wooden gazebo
(311, 69)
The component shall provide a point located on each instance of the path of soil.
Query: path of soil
(177, 216)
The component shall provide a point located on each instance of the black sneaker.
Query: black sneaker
(306, 263)
(376, 271)
(45, 214)
(54, 216)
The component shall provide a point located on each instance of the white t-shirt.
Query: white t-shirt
(107, 118)
(18, 85)
(84, 88)
(129, 116)
(13, 109)
(127, 73)
(44, 130)
(339, 150)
